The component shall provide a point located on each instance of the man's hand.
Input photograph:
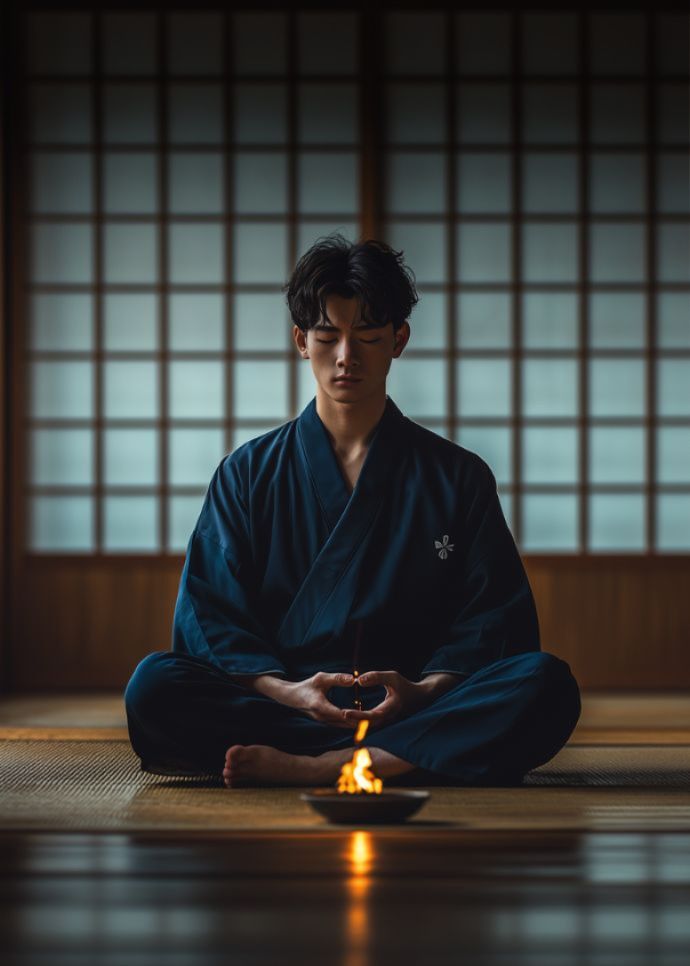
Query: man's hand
(309, 695)
(402, 697)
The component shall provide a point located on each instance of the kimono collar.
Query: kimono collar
(384, 452)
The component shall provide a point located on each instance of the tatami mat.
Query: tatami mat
(98, 786)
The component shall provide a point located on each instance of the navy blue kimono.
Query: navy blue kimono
(287, 573)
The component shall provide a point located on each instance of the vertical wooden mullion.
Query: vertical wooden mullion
(650, 486)
(583, 352)
(162, 354)
(15, 253)
(98, 287)
(452, 403)
(228, 230)
(517, 284)
(371, 117)
(291, 83)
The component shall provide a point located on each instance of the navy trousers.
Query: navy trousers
(183, 713)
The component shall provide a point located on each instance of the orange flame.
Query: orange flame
(356, 775)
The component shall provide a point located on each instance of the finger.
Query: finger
(379, 713)
(370, 678)
(342, 680)
(370, 715)
(377, 707)
(352, 715)
(375, 719)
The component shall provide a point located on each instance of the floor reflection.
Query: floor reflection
(356, 898)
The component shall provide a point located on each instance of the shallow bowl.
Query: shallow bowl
(345, 808)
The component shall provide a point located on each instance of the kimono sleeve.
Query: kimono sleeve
(495, 615)
(217, 615)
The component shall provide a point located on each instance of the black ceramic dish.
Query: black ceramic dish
(369, 808)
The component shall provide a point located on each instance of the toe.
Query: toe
(233, 754)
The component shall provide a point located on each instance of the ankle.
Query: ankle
(329, 764)
(386, 765)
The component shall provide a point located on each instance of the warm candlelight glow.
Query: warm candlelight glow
(361, 853)
(358, 932)
(356, 775)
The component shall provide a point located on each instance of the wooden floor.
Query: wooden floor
(510, 891)
(347, 898)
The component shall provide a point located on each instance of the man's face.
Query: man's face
(344, 344)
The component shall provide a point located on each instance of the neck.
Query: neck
(350, 425)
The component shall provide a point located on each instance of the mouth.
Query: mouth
(346, 380)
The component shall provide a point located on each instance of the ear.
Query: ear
(401, 339)
(300, 341)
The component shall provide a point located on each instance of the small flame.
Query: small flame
(356, 775)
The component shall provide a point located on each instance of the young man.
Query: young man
(351, 538)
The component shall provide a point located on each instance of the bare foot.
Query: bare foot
(264, 765)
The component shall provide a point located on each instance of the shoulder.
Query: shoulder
(245, 475)
(464, 468)
(259, 455)
(237, 481)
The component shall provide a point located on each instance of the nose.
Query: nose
(346, 359)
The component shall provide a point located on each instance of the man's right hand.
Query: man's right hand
(309, 696)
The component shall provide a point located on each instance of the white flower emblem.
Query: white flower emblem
(444, 547)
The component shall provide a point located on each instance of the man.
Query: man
(351, 539)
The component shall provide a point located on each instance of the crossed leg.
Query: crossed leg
(504, 720)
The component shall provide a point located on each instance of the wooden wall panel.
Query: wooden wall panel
(620, 623)
(623, 623)
(82, 626)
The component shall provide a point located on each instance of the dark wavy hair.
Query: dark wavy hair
(370, 270)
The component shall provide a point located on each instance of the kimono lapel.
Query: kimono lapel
(317, 452)
(328, 590)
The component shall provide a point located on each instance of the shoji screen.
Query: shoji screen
(179, 164)
(536, 174)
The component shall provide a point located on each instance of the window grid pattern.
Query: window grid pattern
(545, 226)
(142, 388)
(544, 407)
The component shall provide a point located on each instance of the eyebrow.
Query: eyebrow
(332, 328)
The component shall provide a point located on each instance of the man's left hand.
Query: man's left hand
(402, 697)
